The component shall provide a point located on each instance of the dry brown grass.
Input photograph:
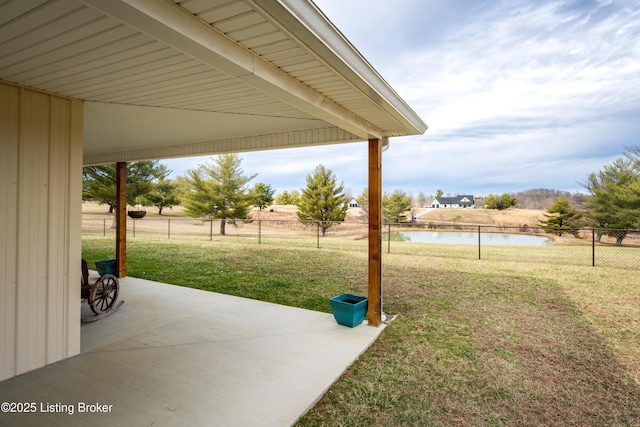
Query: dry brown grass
(278, 220)
(506, 218)
(509, 217)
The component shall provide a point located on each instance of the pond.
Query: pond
(468, 238)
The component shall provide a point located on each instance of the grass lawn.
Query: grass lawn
(475, 342)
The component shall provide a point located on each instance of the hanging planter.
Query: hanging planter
(349, 310)
(137, 214)
(138, 211)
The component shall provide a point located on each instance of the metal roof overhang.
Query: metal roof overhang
(163, 78)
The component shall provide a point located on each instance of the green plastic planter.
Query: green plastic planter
(107, 266)
(349, 310)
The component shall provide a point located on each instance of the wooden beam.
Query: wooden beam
(121, 219)
(374, 312)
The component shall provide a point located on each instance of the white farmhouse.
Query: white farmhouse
(464, 201)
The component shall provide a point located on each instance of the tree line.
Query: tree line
(612, 207)
(214, 190)
(147, 185)
(219, 189)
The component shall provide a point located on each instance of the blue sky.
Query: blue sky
(517, 95)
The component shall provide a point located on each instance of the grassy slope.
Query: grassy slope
(475, 342)
(509, 217)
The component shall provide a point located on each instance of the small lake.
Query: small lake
(468, 238)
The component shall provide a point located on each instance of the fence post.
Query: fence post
(479, 242)
(104, 227)
(593, 247)
(389, 238)
(318, 234)
(134, 227)
(259, 230)
(169, 228)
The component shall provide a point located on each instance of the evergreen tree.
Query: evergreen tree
(561, 218)
(322, 200)
(614, 204)
(294, 197)
(491, 201)
(99, 185)
(505, 201)
(282, 198)
(164, 194)
(262, 195)
(140, 178)
(395, 206)
(288, 198)
(99, 182)
(219, 190)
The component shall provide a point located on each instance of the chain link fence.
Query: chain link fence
(582, 247)
(585, 246)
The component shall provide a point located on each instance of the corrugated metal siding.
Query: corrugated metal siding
(57, 239)
(40, 141)
(9, 96)
(32, 238)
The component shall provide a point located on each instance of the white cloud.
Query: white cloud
(517, 94)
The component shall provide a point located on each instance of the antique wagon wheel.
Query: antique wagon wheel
(104, 294)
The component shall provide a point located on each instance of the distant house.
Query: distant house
(354, 203)
(428, 203)
(464, 201)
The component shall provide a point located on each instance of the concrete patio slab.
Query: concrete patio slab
(174, 356)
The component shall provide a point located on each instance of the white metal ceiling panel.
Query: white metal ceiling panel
(109, 124)
(257, 34)
(173, 62)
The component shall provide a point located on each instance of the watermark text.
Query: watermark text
(55, 407)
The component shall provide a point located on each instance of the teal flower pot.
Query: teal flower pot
(349, 310)
(107, 266)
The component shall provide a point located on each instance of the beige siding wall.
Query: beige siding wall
(40, 211)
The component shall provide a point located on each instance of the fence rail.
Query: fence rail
(585, 246)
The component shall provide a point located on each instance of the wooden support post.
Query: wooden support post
(121, 219)
(374, 312)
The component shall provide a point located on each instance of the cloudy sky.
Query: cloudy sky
(517, 95)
